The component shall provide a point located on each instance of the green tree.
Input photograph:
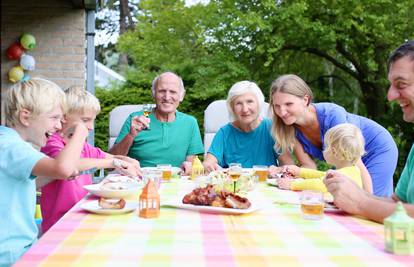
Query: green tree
(339, 47)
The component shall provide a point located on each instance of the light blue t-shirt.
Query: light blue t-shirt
(165, 142)
(231, 145)
(381, 151)
(405, 186)
(18, 230)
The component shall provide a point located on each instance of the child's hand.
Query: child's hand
(274, 171)
(284, 183)
(77, 128)
(128, 159)
(127, 168)
(292, 170)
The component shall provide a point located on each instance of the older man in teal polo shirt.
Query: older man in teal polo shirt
(166, 135)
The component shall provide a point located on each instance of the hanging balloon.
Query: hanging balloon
(14, 51)
(28, 41)
(16, 74)
(27, 62)
(26, 77)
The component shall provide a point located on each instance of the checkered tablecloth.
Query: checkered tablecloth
(276, 235)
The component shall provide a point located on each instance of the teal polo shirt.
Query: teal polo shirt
(405, 185)
(165, 142)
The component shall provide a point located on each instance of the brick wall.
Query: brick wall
(59, 29)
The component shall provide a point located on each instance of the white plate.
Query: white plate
(131, 189)
(271, 182)
(174, 170)
(208, 209)
(117, 178)
(93, 206)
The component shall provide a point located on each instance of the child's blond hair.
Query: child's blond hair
(37, 95)
(78, 100)
(345, 142)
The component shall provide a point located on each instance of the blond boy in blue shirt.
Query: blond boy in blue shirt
(33, 112)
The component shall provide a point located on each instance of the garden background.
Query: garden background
(340, 48)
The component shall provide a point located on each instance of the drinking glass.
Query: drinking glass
(312, 204)
(235, 170)
(154, 175)
(146, 110)
(166, 171)
(261, 171)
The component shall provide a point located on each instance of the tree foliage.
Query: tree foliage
(339, 47)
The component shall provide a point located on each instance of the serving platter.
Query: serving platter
(177, 203)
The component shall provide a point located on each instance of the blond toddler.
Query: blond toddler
(344, 146)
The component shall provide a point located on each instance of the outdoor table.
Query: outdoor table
(275, 235)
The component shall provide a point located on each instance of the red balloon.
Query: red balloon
(14, 51)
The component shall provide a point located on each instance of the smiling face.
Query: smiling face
(87, 117)
(246, 109)
(289, 108)
(401, 77)
(168, 93)
(39, 128)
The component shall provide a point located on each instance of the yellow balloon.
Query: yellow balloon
(16, 74)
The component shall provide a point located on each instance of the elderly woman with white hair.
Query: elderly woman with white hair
(246, 139)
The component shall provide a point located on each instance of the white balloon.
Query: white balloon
(27, 62)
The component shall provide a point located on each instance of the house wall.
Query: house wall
(59, 29)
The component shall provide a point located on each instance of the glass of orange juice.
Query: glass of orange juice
(166, 171)
(312, 204)
(261, 171)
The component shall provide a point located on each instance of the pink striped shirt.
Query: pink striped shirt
(60, 196)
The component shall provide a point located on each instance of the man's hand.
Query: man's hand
(139, 123)
(347, 195)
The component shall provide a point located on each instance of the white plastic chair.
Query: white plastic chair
(117, 118)
(216, 116)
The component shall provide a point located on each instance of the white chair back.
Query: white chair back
(117, 118)
(216, 116)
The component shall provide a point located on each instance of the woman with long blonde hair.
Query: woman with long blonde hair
(299, 126)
